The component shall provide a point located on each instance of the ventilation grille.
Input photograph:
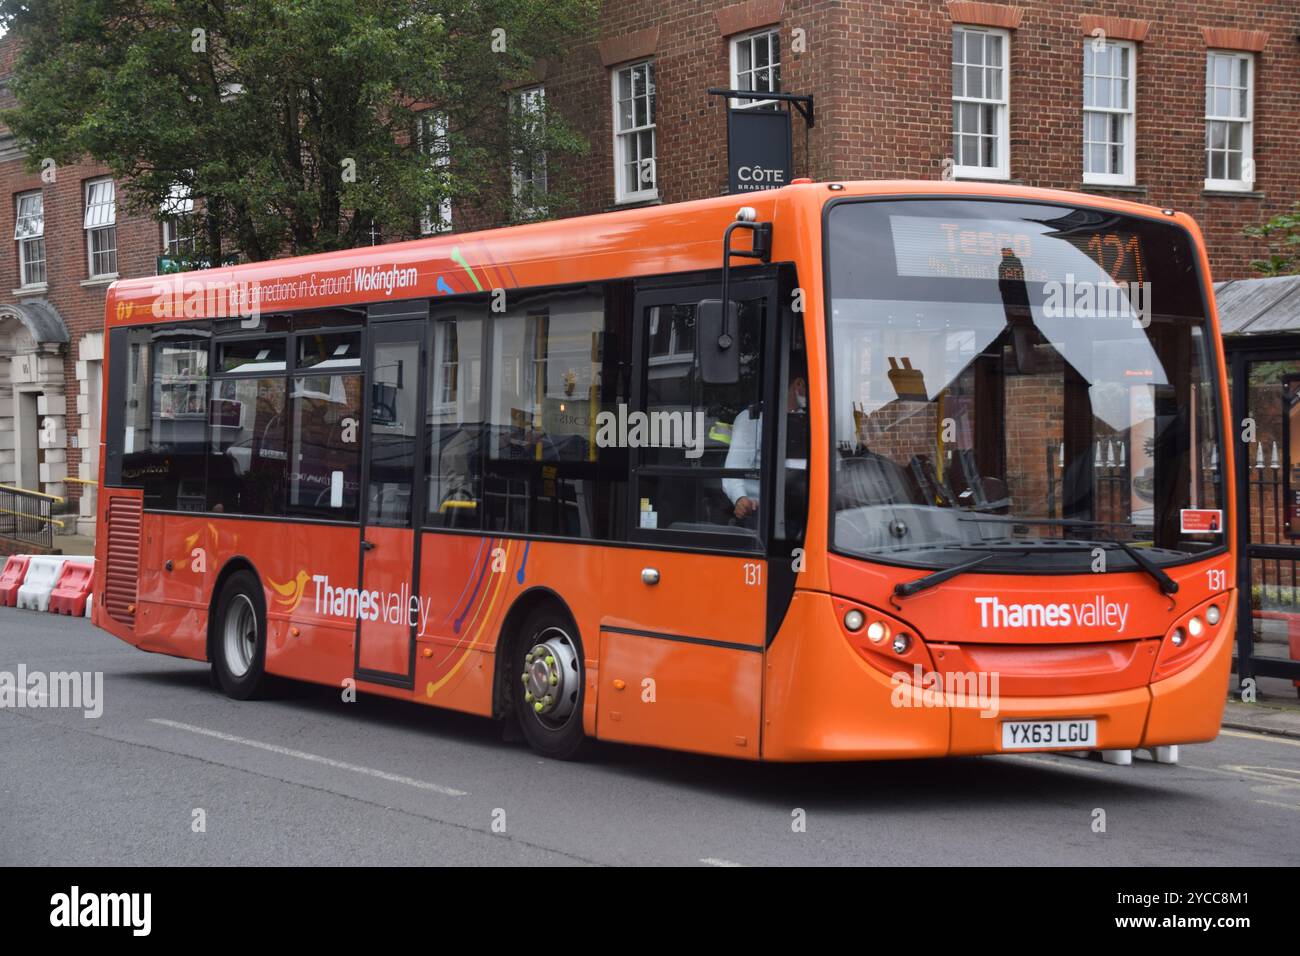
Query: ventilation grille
(122, 567)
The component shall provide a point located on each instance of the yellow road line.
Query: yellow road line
(1272, 738)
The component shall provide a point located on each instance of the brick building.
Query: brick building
(882, 74)
(1193, 105)
(69, 239)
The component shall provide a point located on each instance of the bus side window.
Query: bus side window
(247, 460)
(455, 420)
(325, 425)
(792, 474)
(713, 430)
(541, 464)
(161, 440)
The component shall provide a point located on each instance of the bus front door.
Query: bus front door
(388, 600)
(683, 634)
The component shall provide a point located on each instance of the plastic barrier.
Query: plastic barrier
(72, 588)
(11, 579)
(42, 573)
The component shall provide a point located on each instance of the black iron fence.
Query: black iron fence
(28, 516)
(1273, 579)
(1118, 495)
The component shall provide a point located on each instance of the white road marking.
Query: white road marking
(313, 758)
(714, 861)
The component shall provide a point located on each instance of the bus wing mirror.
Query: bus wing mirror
(716, 335)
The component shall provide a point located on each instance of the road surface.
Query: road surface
(173, 772)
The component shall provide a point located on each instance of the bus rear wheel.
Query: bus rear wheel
(239, 639)
(548, 679)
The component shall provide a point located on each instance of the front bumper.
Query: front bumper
(822, 701)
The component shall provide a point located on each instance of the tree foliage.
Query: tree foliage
(1282, 233)
(291, 122)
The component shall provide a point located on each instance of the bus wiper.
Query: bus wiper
(1167, 584)
(908, 588)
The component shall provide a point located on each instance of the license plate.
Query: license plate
(1039, 734)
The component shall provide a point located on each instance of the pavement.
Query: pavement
(1275, 711)
(173, 772)
(78, 544)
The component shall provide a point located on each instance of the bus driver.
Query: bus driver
(744, 452)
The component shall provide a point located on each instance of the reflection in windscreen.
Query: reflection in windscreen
(1013, 376)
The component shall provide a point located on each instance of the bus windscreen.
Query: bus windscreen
(1030, 381)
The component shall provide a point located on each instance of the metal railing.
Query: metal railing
(28, 516)
(1273, 579)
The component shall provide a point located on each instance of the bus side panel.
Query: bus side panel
(306, 572)
(703, 699)
(301, 567)
(686, 647)
(172, 613)
(466, 586)
(824, 702)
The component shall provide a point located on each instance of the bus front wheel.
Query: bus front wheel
(548, 682)
(239, 642)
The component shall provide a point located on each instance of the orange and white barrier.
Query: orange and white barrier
(72, 588)
(11, 579)
(42, 574)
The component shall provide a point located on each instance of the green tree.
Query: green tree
(1282, 233)
(292, 123)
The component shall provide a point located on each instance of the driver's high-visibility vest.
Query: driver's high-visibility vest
(720, 432)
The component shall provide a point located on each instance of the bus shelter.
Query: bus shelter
(1260, 321)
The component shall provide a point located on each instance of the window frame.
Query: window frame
(517, 105)
(108, 229)
(470, 307)
(1129, 112)
(761, 283)
(438, 149)
(1247, 124)
(25, 259)
(623, 136)
(733, 46)
(172, 235)
(1002, 171)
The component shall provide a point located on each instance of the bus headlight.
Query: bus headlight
(877, 632)
(901, 643)
(854, 620)
(1194, 634)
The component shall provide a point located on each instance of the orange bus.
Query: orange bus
(834, 472)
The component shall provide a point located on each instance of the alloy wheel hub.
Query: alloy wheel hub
(550, 675)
